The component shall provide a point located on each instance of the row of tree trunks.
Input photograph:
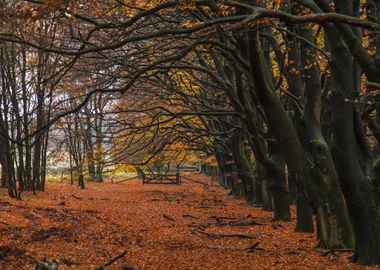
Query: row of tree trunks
(23, 162)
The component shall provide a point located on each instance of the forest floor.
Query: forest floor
(155, 226)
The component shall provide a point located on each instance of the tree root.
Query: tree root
(333, 251)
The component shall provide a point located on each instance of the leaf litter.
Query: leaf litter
(194, 225)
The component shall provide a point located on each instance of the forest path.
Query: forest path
(159, 227)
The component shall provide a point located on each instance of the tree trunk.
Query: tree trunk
(356, 186)
(242, 165)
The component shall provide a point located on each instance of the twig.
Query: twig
(251, 248)
(220, 235)
(181, 246)
(190, 216)
(76, 197)
(218, 218)
(169, 217)
(102, 267)
(243, 221)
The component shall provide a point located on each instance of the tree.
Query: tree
(292, 80)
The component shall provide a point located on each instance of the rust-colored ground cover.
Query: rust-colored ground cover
(159, 226)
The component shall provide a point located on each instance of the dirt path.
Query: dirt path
(159, 226)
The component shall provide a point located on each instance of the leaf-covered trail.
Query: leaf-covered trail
(159, 226)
